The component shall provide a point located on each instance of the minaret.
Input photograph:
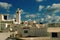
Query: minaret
(18, 16)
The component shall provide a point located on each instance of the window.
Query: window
(5, 17)
(15, 20)
(54, 34)
(41, 23)
(25, 31)
(17, 12)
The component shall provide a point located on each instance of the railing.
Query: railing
(53, 25)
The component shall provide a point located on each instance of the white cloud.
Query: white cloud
(40, 0)
(54, 8)
(51, 11)
(57, 18)
(48, 17)
(53, 18)
(42, 19)
(24, 12)
(41, 7)
(32, 15)
(5, 5)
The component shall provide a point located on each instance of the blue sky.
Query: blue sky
(32, 9)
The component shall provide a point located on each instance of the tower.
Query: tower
(18, 16)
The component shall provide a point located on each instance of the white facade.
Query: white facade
(18, 16)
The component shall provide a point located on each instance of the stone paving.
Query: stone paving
(3, 36)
